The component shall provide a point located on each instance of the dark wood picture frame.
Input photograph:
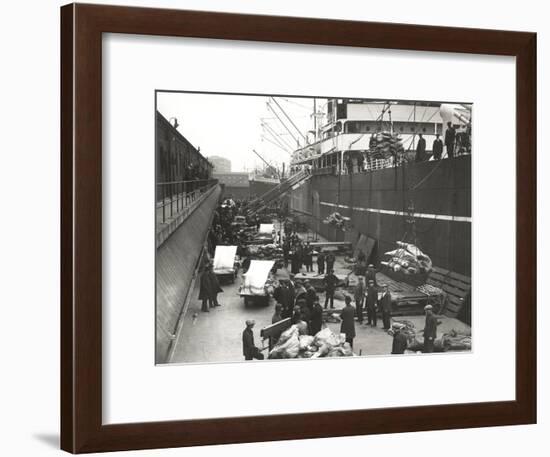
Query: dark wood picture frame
(81, 227)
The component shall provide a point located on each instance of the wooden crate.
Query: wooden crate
(456, 286)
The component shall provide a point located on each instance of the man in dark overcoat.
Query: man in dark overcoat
(311, 295)
(430, 329)
(372, 303)
(250, 351)
(209, 289)
(320, 263)
(348, 321)
(359, 295)
(371, 274)
(386, 306)
(437, 147)
(308, 257)
(330, 281)
(420, 149)
(330, 259)
(450, 135)
(400, 342)
(316, 322)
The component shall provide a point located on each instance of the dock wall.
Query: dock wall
(176, 262)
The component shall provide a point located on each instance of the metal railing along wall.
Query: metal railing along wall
(172, 197)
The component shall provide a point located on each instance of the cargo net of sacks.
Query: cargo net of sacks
(407, 263)
(292, 345)
(337, 220)
(384, 146)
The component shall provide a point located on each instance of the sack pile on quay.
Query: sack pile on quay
(292, 345)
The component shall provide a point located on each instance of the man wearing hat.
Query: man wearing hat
(311, 295)
(316, 322)
(330, 259)
(385, 305)
(330, 282)
(372, 304)
(250, 351)
(359, 295)
(348, 321)
(300, 292)
(371, 274)
(320, 263)
(209, 288)
(399, 340)
(437, 147)
(430, 329)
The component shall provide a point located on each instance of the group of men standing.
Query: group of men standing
(437, 145)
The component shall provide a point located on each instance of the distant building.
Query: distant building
(235, 185)
(221, 164)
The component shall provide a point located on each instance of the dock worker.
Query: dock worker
(209, 289)
(400, 342)
(330, 281)
(296, 259)
(371, 274)
(311, 295)
(450, 135)
(348, 321)
(300, 292)
(359, 295)
(320, 263)
(372, 303)
(420, 149)
(316, 322)
(283, 296)
(308, 257)
(437, 147)
(286, 251)
(386, 306)
(330, 259)
(250, 351)
(430, 329)
(277, 316)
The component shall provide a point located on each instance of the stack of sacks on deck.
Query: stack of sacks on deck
(408, 259)
(385, 145)
(292, 345)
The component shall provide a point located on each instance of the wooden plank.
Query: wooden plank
(450, 280)
(452, 274)
(449, 288)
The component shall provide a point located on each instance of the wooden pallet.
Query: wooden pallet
(456, 286)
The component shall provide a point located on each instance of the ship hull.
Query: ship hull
(426, 203)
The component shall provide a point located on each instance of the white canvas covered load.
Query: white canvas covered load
(255, 278)
(224, 259)
(266, 228)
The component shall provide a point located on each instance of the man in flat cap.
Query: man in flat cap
(430, 329)
(385, 303)
(400, 342)
(250, 351)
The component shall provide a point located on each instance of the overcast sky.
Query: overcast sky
(230, 125)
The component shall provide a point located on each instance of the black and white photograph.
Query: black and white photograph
(292, 227)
